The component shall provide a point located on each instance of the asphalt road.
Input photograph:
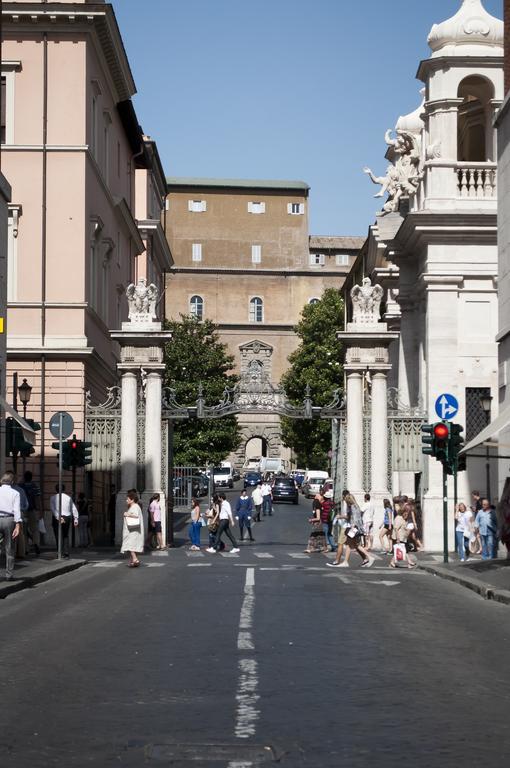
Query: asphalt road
(243, 661)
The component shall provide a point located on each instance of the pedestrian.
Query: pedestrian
(132, 529)
(195, 528)
(504, 517)
(213, 520)
(64, 521)
(257, 501)
(316, 539)
(21, 541)
(226, 520)
(354, 534)
(244, 512)
(10, 521)
(154, 520)
(486, 525)
(33, 514)
(368, 512)
(267, 499)
(341, 521)
(327, 510)
(477, 501)
(112, 508)
(412, 526)
(463, 529)
(83, 520)
(399, 535)
(386, 526)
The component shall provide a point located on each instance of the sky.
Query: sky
(281, 89)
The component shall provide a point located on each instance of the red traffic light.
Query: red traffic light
(74, 445)
(441, 431)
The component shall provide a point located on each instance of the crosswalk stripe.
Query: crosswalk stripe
(107, 564)
(229, 554)
(299, 555)
(263, 555)
(155, 565)
(195, 554)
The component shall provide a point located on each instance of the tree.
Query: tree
(317, 362)
(196, 355)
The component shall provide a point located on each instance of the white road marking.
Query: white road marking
(263, 554)
(229, 554)
(385, 583)
(239, 764)
(155, 565)
(299, 555)
(199, 565)
(107, 564)
(194, 554)
(247, 697)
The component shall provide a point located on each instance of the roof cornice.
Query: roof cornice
(28, 17)
(423, 227)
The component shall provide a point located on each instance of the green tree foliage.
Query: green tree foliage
(317, 362)
(195, 355)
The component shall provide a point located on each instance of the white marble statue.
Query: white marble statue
(366, 302)
(403, 176)
(142, 300)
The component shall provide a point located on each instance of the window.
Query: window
(317, 259)
(256, 254)
(197, 206)
(315, 300)
(196, 252)
(256, 310)
(3, 94)
(9, 69)
(476, 420)
(296, 209)
(256, 207)
(12, 252)
(342, 259)
(196, 307)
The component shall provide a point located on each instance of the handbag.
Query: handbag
(399, 551)
(133, 523)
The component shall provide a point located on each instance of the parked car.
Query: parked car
(285, 489)
(312, 483)
(251, 479)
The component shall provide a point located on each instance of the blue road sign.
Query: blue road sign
(447, 406)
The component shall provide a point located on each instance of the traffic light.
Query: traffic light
(15, 442)
(456, 440)
(75, 453)
(86, 457)
(27, 449)
(427, 440)
(66, 453)
(442, 441)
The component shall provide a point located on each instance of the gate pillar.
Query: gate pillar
(355, 433)
(141, 343)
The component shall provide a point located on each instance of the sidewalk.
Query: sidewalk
(488, 578)
(34, 570)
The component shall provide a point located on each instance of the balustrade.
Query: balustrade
(476, 180)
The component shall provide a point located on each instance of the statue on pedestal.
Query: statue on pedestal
(366, 302)
(142, 299)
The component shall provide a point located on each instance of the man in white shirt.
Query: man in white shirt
(267, 501)
(226, 520)
(68, 509)
(368, 511)
(10, 521)
(257, 501)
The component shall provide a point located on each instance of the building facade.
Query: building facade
(244, 259)
(434, 246)
(85, 216)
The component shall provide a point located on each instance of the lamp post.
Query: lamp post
(24, 393)
(485, 402)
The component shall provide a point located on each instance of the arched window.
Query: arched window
(474, 127)
(315, 300)
(256, 310)
(196, 307)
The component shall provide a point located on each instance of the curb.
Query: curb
(25, 582)
(487, 591)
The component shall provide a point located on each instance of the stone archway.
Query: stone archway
(265, 428)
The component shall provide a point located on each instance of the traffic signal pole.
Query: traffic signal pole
(60, 459)
(445, 515)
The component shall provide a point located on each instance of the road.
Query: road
(243, 661)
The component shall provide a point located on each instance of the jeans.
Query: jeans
(327, 535)
(6, 529)
(488, 545)
(459, 539)
(258, 508)
(83, 529)
(65, 533)
(267, 504)
(194, 533)
(244, 522)
(224, 529)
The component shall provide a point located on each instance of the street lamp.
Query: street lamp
(485, 403)
(24, 392)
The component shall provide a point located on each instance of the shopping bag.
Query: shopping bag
(399, 552)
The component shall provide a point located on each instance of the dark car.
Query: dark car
(285, 489)
(251, 479)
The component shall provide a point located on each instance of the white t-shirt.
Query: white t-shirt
(266, 489)
(257, 496)
(368, 512)
(464, 521)
(225, 511)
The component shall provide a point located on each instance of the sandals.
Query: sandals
(134, 564)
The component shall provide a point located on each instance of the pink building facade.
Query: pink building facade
(88, 195)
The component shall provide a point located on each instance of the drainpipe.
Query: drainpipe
(43, 260)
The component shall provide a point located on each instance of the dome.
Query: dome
(471, 32)
(413, 122)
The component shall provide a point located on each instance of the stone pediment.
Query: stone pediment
(256, 347)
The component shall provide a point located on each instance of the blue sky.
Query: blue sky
(281, 89)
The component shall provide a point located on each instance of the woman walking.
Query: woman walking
(132, 530)
(316, 539)
(196, 525)
(399, 536)
(385, 529)
(155, 519)
(463, 530)
(213, 519)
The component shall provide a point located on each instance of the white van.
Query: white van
(314, 480)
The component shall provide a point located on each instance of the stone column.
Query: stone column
(379, 436)
(128, 431)
(355, 433)
(153, 432)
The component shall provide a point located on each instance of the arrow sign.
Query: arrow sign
(447, 406)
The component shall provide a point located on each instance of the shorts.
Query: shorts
(156, 526)
(342, 536)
